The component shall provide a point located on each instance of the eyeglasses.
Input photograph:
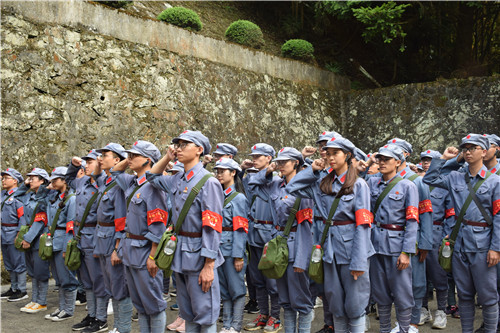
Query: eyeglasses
(282, 163)
(321, 144)
(7, 178)
(181, 145)
(471, 149)
(384, 159)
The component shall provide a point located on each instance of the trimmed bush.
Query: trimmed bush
(298, 49)
(116, 4)
(181, 17)
(245, 33)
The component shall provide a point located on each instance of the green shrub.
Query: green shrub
(298, 49)
(245, 33)
(116, 4)
(181, 17)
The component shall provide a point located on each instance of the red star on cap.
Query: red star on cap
(254, 147)
(282, 149)
(33, 169)
(217, 147)
(184, 132)
(135, 144)
(7, 169)
(323, 133)
(428, 152)
(468, 136)
(484, 135)
(394, 141)
(386, 146)
(54, 170)
(90, 151)
(332, 139)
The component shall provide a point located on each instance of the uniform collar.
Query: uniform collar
(341, 178)
(62, 195)
(191, 173)
(229, 190)
(12, 190)
(482, 172)
(406, 172)
(141, 180)
(495, 168)
(386, 182)
(109, 180)
(330, 169)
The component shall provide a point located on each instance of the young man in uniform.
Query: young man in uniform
(477, 246)
(198, 255)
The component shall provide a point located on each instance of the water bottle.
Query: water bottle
(316, 256)
(446, 250)
(48, 240)
(170, 246)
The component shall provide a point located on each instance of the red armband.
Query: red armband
(120, 224)
(496, 207)
(364, 216)
(240, 222)
(304, 214)
(425, 206)
(212, 220)
(42, 216)
(449, 212)
(20, 212)
(157, 215)
(70, 226)
(412, 213)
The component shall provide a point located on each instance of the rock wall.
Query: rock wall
(66, 89)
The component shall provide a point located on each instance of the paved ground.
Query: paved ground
(12, 320)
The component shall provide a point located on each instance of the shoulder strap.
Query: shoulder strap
(133, 192)
(34, 214)
(189, 201)
(498, 172)
(56, 217)
(328, 222)
(412, 177)
(110, 186)
(292, 216)
(476, 200)
(431, 188)
(467, 202)
(385, 192)
(253, 200)
(86, 212)
(230, 198)
(3, 202)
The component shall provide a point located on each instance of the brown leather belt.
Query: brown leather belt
(319, 218)
(259, 221)
(190, 234)
(132, 236)
(90, 225)
(227, 228)
(437, 222)
(61, 228)
(394, 227)
(477, 224)
(342, 222)
(283, 228)
(9, 224)
(106, 224)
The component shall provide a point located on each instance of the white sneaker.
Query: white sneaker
(27, 306)
(115, 330)
(367, 323)
(425, 316)
(396, 328)
(110, 308)
(232, 330)
(225, 330)
(440, 320)
(319, 303)
(412, 329)
(52, 315)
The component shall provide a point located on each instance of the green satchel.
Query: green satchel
(165, 254)
(73, 256)
(274, 260)
(445, 262)
(24, 230)
(44, 250)
(316, 268)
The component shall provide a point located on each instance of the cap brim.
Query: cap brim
(284, 159)
(386, 155)
(175, 140)
(133, 151)
(477, 143)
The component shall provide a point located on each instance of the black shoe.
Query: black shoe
(86, 322)
(326, 329)
(252, 306)
(81, 298)
(97, 326)
(7, 294)
(17, 296)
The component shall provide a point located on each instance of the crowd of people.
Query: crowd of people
(378, 224)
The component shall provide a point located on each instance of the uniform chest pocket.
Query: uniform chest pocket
(347, 197)
(458, 188)
(395, 240)
(192, 261)
(396, 196)
(105, 197)
(437, 195)
(136, 201)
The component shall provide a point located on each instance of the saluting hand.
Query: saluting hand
(318, 164)
(403, 262)
(308, 151)
(246, 164)
(362, 166)
(493, 258)
(271, 168)
(76, 161)
(171, 154)
(449, 153)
